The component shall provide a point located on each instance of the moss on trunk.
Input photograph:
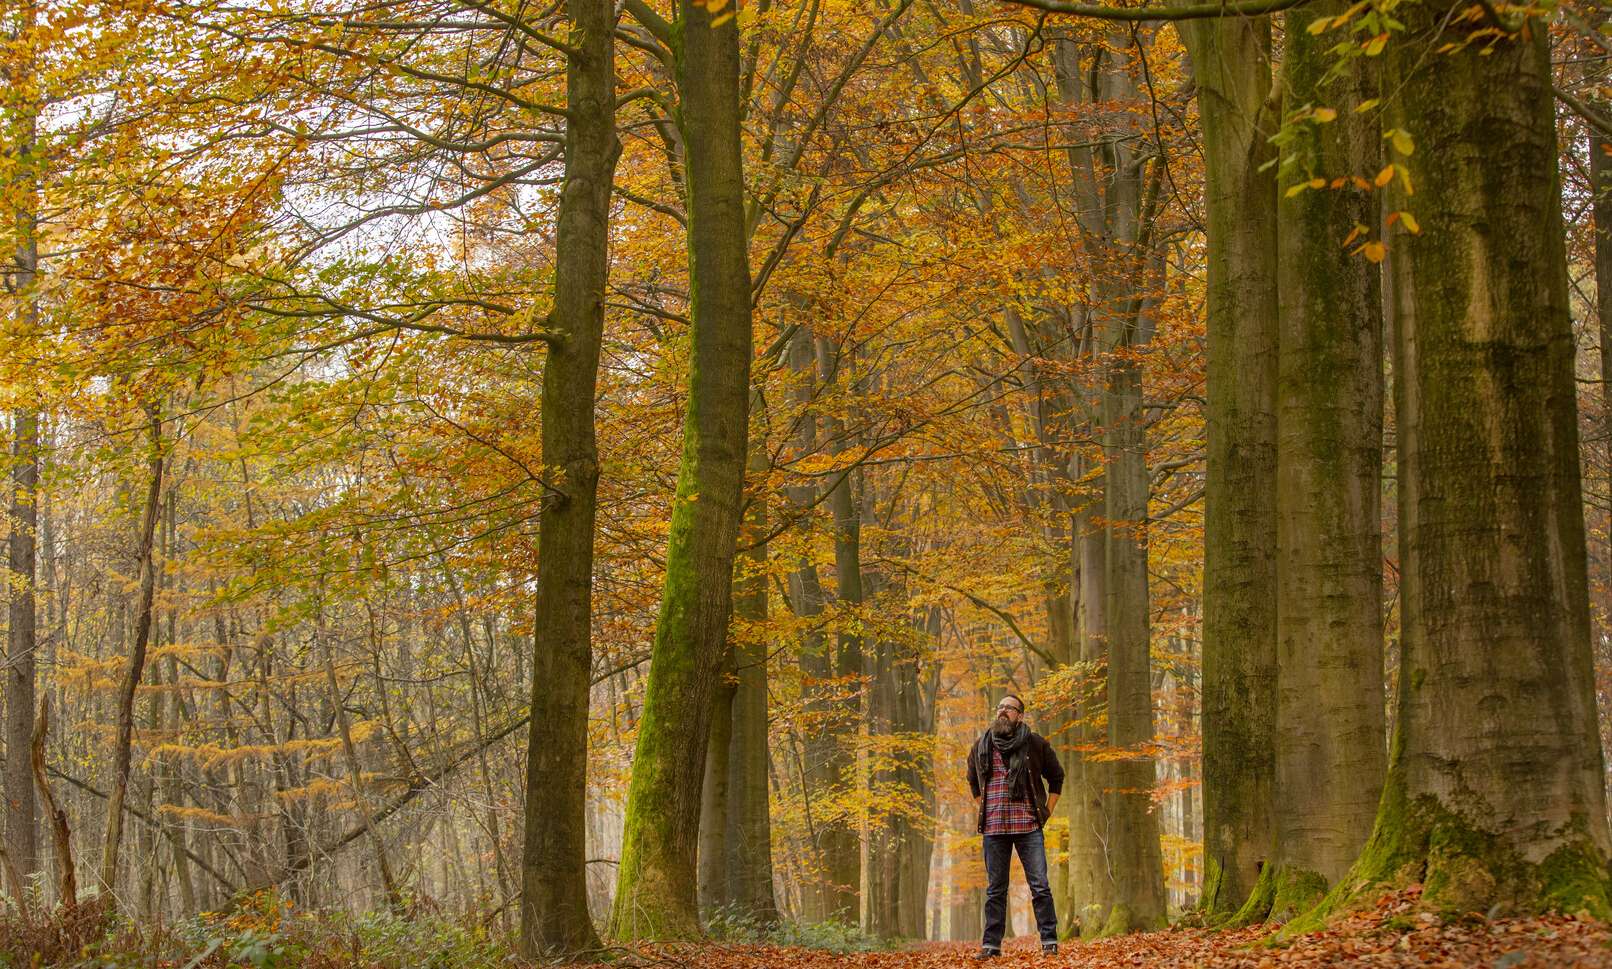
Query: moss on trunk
(1230, 59)
(655, 886)
(1494, 799)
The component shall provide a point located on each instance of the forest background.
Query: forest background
(281, 311)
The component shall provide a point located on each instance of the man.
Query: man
(1006, 771)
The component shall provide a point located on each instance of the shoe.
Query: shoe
(1049, 948)
(984, 954)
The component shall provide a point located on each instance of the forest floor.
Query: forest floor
(1392, 934)
(266, 933)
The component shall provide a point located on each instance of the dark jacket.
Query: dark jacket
(1042, 762)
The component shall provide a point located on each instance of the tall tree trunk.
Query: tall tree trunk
(1133, 848)
(845, 857)
(21, 814)
(554, 898)
(135, 667)
(1231, 62)
(1601, 187)
(1494, 795)
(655, 896)
(749, 819)
(827, 761)
(1331, 752)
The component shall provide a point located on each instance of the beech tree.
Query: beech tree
(655, 889)
(554, 915)
(1495, 788)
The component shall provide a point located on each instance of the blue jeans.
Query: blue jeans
(998, 860)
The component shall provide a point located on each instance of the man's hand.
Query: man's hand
(1052, 804)
(979, 801)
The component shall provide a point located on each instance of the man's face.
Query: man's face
(1008, 714)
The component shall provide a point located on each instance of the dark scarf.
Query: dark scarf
(1013, 749)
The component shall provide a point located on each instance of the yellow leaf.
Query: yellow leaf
(1295, 189)
(1375, 251)
(1323, 115)
(1385, 176)
(1402, 142)
(1319, 26)
(1366, 105)
(1410, 223)
(1353, 235)
(1375, 45)
(1318, 183)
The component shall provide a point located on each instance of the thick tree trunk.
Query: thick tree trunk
(655, 888)
(1231, 63)
(135, 667)
(1331, 751)
(1601, 186)
(554, 898)
(1494, 798)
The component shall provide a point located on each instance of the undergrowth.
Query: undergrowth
(726, 925)
(260, 931)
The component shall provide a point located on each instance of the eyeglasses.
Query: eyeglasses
(1009, 706)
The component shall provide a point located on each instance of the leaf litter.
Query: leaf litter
(1395, 933)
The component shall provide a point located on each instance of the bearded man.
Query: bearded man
(1016, 780)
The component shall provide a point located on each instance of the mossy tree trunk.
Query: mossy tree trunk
(1331, 749)
(554, 906)
(1230, 60)
(1601, 185)
(1494, 797)
(655, 887)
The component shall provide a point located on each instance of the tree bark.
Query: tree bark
(21, 812)
(554, 899)
(1133, 828)
(749, 817)
(1091, 882)
(135, 667)
(1230, 60)
(655, 887)
(715, 794)
(1331, 750)
(1494, 798)
(827, 893)
(22, 845)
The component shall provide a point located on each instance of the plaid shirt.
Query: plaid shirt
(1002, 815)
